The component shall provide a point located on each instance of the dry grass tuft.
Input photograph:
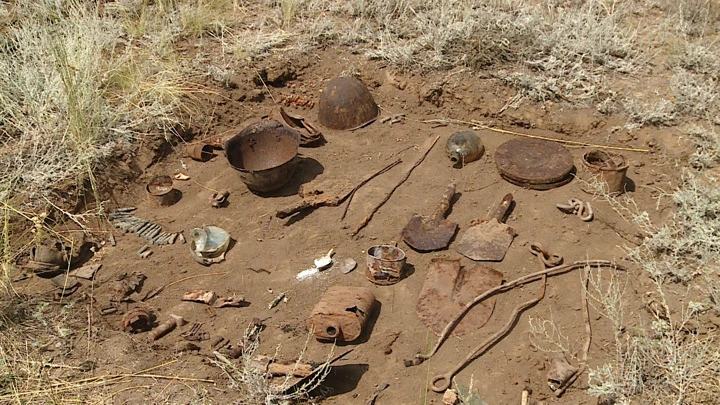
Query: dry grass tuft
(668, 364)
(64, 109)
(255, 388)
(689, 244)
(34, 338)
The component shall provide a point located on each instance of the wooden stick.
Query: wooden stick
(367, 219)
(586, 348)
(331, 200)
(544, 138)
(352, 193)
(552, 271)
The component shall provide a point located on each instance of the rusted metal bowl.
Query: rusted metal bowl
(265, 154)
(346, 104)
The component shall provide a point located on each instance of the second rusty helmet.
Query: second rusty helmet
(346, 104)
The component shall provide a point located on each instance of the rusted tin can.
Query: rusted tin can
(610, 168)
(341, 314)
(385, 264)
(161, 192)
(200, 152)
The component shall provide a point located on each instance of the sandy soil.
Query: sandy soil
(285, 247)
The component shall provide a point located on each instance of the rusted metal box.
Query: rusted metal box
(341, 314)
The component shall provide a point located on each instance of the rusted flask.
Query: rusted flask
(464, 147)
(341, 314)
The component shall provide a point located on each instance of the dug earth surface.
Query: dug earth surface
(268, 252)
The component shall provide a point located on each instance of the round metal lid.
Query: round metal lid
(534, 163)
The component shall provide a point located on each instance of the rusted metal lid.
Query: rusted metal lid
(534, 163)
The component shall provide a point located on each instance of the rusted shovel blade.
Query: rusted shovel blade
(423, 235)
(489, 239)
(431, 233)
(448, 288)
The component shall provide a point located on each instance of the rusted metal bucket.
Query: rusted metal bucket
(346, 103)
(385, 264)
(161, 192)
(265, 154)
(609, 167)
(341, 314)
(200, 152)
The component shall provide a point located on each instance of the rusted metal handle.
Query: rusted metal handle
(503, 209)
(444, 205)
(287, 211)
(441, 383)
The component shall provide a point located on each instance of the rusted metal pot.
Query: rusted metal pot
(385, 264)
(265, 155)
(608, 167)
(161, 192)
(346, 104)
(341, 314)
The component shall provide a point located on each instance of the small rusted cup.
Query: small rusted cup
(200, 152)
(161, 192)
(385, 264)
(610, 168)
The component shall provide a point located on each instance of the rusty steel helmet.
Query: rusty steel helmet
(346, 104)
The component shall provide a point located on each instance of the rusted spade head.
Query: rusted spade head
(161, 192)
(346, 104)
(265, 155)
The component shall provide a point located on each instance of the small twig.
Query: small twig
(153, 293)
(265, 86)
(388, 347)
(380, 388)
(483, 187)
(367, 219)
(506, 287)
(356, 188)
(195, 276)
(478, 124)
(586, 348)
(205, 187)
(259, 270)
